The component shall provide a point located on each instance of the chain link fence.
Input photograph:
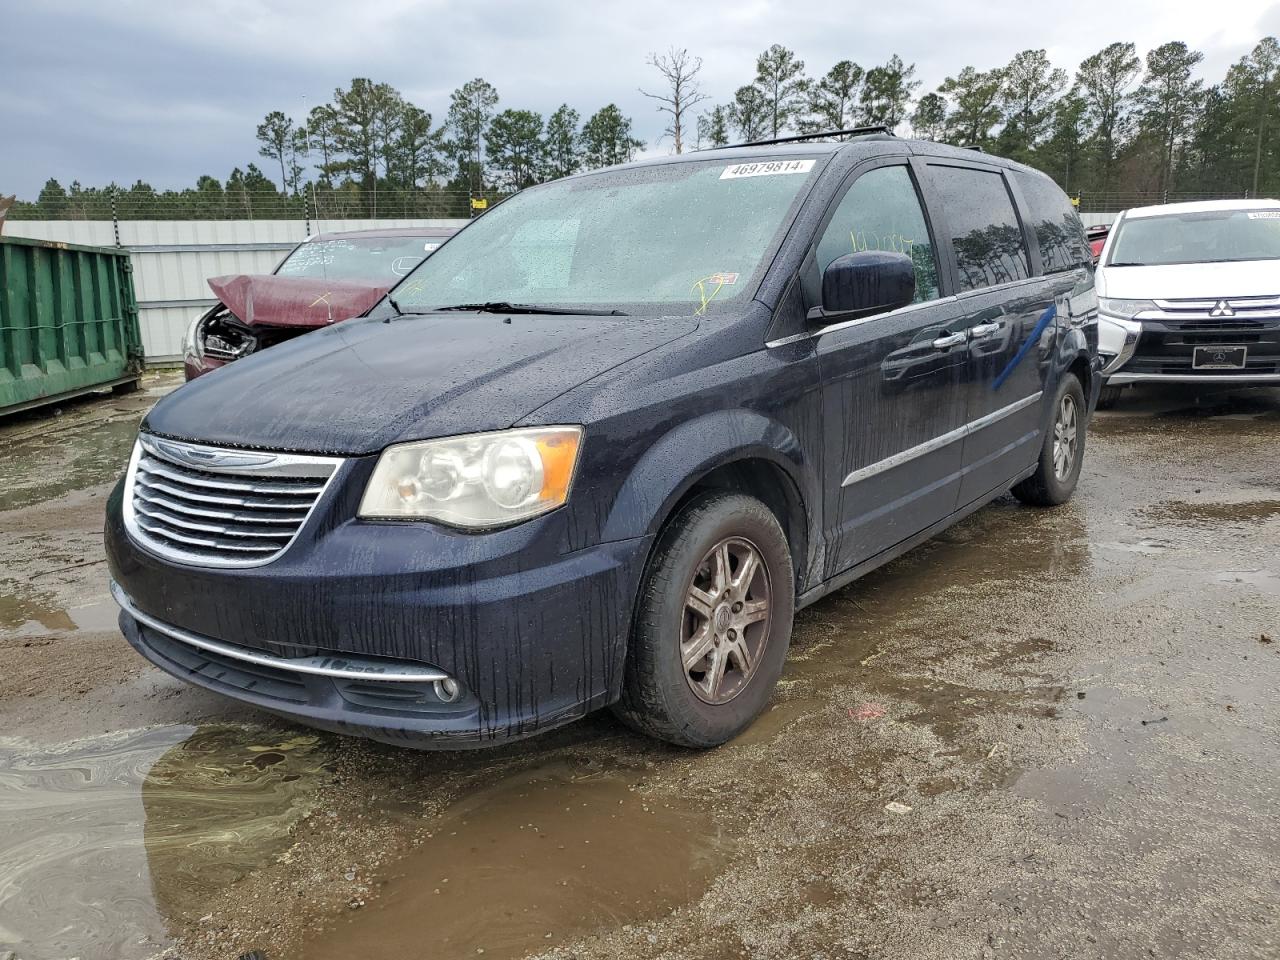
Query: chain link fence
(1115, 202)
(314, 203)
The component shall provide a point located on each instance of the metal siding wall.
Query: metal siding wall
(163, 277)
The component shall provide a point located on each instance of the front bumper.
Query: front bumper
(1160, 346)
(532, 637)
(1243, 379)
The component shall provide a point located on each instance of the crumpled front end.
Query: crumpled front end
(256, 312)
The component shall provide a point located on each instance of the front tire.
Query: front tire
(1062, 454)
(1109, 396)
(712, 625)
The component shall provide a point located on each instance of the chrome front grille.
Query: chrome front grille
(211, 506)
(1228, 312)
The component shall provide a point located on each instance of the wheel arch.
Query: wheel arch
(738, 450)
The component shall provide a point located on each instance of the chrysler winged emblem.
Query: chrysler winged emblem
(204, 457)
(1222, 309)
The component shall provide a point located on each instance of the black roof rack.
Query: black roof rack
(851, 132)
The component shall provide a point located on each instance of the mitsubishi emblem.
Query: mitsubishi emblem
(1221, 309)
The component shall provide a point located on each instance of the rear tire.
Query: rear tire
(712, 625)
(1062, 454)
(1109, 396)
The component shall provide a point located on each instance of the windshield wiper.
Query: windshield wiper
(502, 306)
(1127, 263)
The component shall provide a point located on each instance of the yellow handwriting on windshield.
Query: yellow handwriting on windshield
(715, 282)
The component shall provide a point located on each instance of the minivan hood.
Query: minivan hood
(1245, 278)
(294, 301)
(356, 387)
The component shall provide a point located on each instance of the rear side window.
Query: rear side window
(881, 211)
(985, 233)
(1056, 224)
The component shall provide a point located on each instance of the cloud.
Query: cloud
(165, 92)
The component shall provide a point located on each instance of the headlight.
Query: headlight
(1125, 309)
(477, 481)
(192, 342)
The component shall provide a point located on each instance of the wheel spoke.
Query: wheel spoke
(694, 650)
(742, 654)
(746, 573)
(753, 611)
(700, 602)
(715, 675)
(720, 579)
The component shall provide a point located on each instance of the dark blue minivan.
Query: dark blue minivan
(599, 447)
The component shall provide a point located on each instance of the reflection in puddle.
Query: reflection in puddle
(37, 614)
(547, 853)
(104, 840)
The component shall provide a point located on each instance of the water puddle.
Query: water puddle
(1267, 579)
(36, 614)
(529, 863)
(52, 464)
(105, 841)
(1178, 511)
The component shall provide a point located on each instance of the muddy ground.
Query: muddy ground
(1045, 734)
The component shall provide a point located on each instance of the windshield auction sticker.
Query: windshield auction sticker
(769, 168)
(1255, 215)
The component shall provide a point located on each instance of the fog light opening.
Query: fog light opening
(448, 689)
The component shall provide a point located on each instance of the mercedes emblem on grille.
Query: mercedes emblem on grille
(1222, 309)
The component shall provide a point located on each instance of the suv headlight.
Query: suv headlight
(476, 481)
(1124, 309)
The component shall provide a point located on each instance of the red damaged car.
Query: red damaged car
(326, 278)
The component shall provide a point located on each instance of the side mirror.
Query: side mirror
(870, 282)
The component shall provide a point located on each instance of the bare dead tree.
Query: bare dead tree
(680, 70)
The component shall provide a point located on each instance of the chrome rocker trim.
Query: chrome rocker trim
(337, 668)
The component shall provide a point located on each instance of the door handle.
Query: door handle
(984, 330)
(950, 340)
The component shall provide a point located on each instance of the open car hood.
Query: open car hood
(294, 301)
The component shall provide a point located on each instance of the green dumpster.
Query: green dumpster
(68, 322)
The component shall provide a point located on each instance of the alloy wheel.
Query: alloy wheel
(1065, 437)
(726, 621)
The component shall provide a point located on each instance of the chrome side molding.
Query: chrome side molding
(940, 441)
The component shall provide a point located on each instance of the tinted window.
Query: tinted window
(986, 237)
(881, 211)
(1057, 225)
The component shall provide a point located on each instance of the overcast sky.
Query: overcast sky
(101, 90)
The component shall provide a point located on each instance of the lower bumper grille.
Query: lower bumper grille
(1168, 347)
(367, 685)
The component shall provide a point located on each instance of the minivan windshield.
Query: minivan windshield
(380, 260)
(1214, 236)
(681, 238)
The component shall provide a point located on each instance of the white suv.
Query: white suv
(1190, 293)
